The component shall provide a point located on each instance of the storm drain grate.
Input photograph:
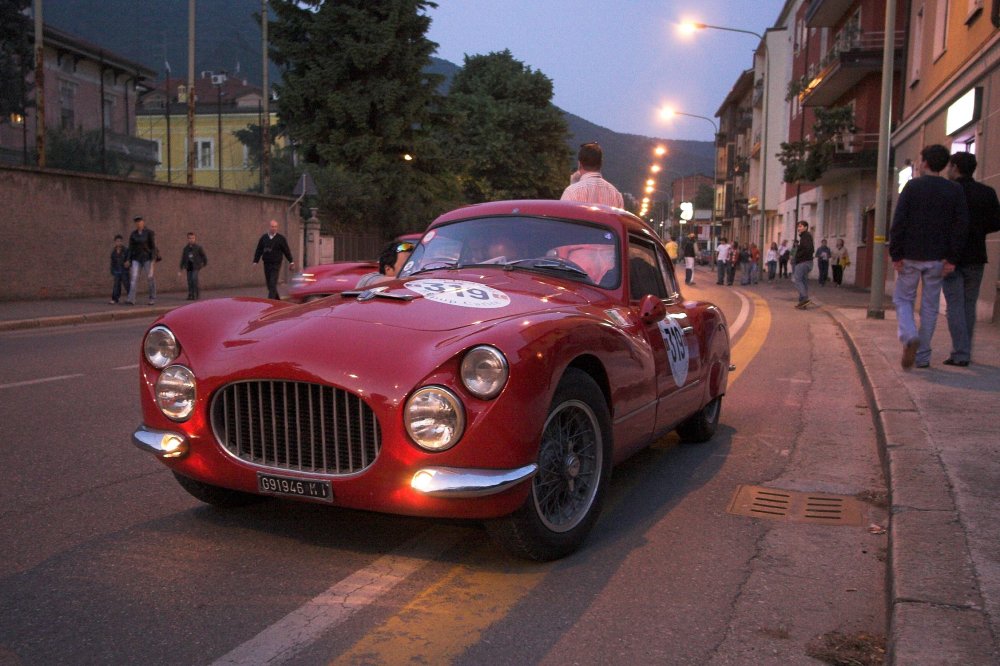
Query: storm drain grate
(797, 507)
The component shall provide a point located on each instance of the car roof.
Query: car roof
(616, 218)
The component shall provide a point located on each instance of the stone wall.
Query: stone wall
(59, 228)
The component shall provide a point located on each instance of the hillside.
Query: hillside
(228, 39)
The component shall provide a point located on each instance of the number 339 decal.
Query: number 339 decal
(459, 292)
(677, 349)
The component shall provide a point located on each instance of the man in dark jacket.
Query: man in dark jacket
(928, 233)
(803, 261)
(193, 259)
(961, 286)
(272, 248)
(142, 256)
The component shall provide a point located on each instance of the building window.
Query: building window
(159, 150)
(941, 28)
(204, 151)
(67, 103)
(109, 112)
(915, 46)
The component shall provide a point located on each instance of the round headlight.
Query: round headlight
(160, 347)
(434, 418)
(484, 372)
(176, 392)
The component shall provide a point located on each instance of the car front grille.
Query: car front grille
(296, 426)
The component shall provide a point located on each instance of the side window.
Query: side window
(644, 270)
(667, 270)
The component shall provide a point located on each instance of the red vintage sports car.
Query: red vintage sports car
(324, 280)
(528, 347)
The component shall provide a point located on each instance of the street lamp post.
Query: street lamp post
(691, 27)
(715, 165)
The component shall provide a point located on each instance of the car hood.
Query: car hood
(447, 300)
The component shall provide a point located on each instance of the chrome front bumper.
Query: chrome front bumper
(463, 482)
(161, 443)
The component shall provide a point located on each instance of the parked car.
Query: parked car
(705, 257)
(528, 347)
(324, 280)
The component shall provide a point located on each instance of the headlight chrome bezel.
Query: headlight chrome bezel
(434, 432)
(472, 375)
(176, 392)
(160, 347)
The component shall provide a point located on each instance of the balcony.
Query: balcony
(826, 13)
(855, 152)
(852, 57)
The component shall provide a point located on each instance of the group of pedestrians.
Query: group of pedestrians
(140, 255)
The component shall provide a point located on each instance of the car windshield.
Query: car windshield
(575, 250)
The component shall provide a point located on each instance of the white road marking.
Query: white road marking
(306, 624)
(742, 318)
(44, 380)
(127, 367)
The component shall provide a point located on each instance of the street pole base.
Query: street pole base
(876, 314)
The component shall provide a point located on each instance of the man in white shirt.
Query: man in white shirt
(722, 260)
(587, 185)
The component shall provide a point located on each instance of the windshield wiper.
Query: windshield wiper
(434, 266)
(550, 263)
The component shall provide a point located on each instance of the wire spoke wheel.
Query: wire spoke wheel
(570, 460)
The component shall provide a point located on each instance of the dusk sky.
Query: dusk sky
(616, 63)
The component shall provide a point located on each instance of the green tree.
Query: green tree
(505, 138)
(80, 150)
(704, 198)
(807, 159)
(15, 57)
(355, 99)
(284, 172)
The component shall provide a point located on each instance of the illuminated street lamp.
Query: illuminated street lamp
(689, 27)
(668, 113)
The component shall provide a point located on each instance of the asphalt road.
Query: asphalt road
(104, 559)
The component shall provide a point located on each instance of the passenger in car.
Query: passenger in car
(390, 261)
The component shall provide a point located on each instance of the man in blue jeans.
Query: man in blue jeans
(961, 287)
(803, 263)
(929, 229)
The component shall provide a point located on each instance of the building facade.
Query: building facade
(951, 96)
(87, 89)
(224, 105)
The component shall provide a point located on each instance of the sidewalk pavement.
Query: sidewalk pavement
(939, 446)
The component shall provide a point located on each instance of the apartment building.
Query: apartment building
(86, 89)
(224, 105)
(951, 95)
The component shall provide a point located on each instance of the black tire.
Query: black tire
(223, 498)
(574, 469)
(701, 427)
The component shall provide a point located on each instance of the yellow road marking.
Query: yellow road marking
(449, 617)
(446, 619)
(750, 343)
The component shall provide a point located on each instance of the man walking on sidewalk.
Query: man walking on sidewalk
(690, 252)
(929, 228)
(803, 263)
(272, 248)
(961, 287)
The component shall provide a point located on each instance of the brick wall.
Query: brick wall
(59, 227)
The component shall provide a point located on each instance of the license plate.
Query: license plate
(284, 486)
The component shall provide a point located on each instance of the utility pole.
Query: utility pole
(39, 87)
(190, 94)
(875, 309)
(265, 153)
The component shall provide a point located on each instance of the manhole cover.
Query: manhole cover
(797, 507)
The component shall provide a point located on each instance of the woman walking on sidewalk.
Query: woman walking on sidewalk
(839, 261)
(771, 259)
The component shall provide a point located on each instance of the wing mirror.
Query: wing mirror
(652, 309)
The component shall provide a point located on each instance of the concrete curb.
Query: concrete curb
(126, 312)
(935, 604)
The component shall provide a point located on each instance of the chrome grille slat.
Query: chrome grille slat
(296, 426)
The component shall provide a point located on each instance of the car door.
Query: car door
(671, 339)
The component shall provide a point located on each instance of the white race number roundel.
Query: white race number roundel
(677, 349)
(459, 292)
